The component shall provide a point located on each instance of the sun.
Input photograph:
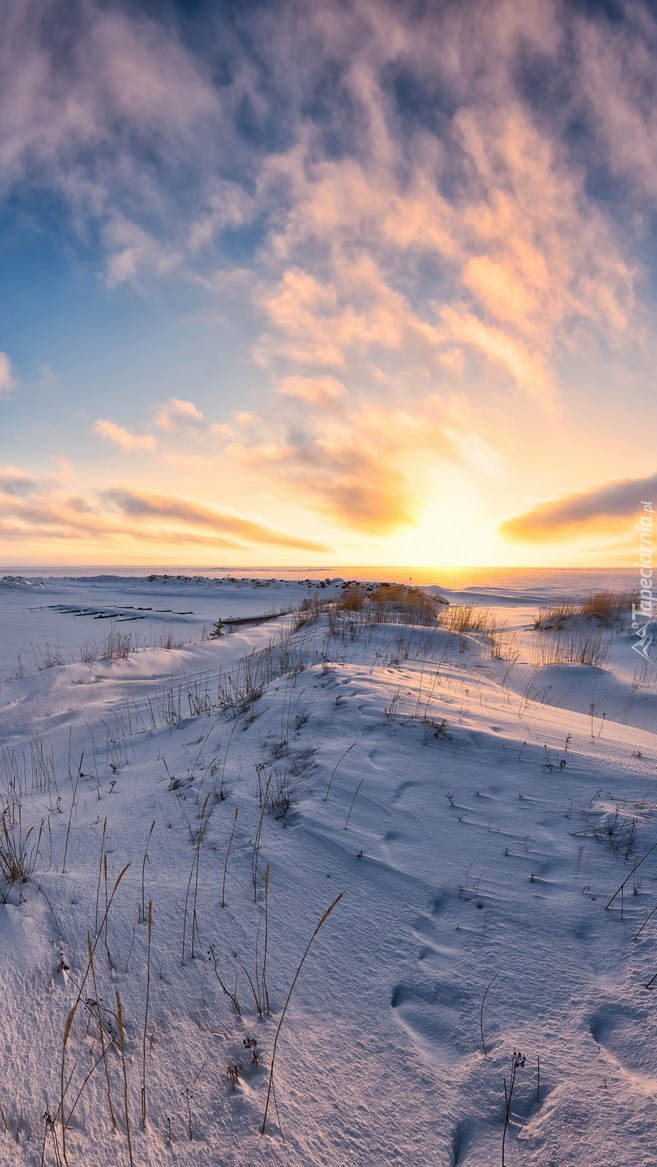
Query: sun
(450, 531)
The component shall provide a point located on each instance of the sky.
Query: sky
(353, 281)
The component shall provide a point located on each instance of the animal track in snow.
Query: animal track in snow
(627, 1039)
(430, 1012)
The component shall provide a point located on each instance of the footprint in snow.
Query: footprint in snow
(392, 836)
(60, 973)
(627, 1038)
(431, 1015)
(401, 790)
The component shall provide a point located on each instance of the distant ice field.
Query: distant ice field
(551, 580)
(58, 615)
(59, 620)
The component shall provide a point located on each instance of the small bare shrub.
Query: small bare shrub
(117, 645)
(48, 657)
(280, 794)
(89, 653)
(407, 605)
(308, 612)
(168, 640)
(353, 599)
(17, 858)
(383, 603)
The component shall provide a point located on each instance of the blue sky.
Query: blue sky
(367, 282)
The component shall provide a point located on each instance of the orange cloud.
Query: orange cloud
(323, 392)
(123, 438)
(41, 509)
(145, 506)
(368, 466)
(243, 418)
(609, 506)
(526, 256)
(324, 324)
(176, 414)
(527, 368)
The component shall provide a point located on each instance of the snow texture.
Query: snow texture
(478, 809)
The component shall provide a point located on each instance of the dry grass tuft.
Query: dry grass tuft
(17, 858)
(581, 646)
(464, 618)
(308, 612)
(353, 599)
(607, 607)
(388, 604)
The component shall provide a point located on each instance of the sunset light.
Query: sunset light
(373, 284)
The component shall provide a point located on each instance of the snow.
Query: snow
(475, 807)
(61, 619)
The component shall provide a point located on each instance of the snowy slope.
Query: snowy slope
(478, 818)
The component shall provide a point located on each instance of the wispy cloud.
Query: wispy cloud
(39, 509)
(6, 376)
(608, 506)
(172, 419)
(521, 264)
(177, 414)
(617, 94)
(123, 438)
(135, 254)
(323, 392)
(496, 199)
(140, 506)
(15, 482)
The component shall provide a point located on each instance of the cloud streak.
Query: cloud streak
(146, 506)
(6, 376)
(41, 509)
(123, 438)
(607, 506)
